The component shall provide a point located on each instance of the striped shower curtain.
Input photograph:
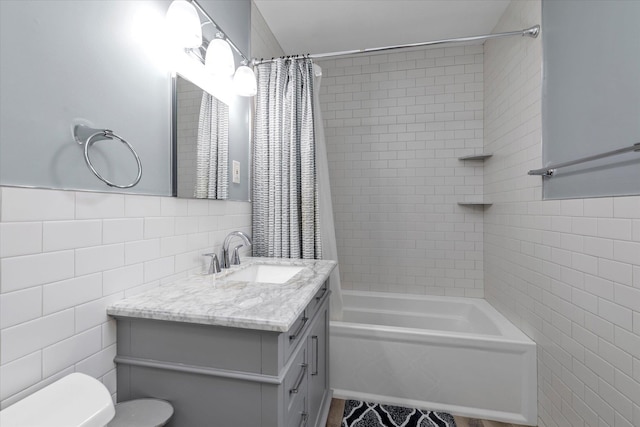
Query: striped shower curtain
(212, 150)
(285, 191)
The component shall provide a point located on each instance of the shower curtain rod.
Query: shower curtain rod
(532, 32)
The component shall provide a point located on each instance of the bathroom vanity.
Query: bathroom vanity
(232, 349)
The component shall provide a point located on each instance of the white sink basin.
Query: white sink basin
(266, 273)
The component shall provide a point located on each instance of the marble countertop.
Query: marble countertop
(218, 300)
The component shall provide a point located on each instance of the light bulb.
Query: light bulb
(219, 60)
(244, 82)
(183, 23)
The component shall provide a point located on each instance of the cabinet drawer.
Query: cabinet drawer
(298, 417)
(296, 386)
(293, 336)
(317, 299)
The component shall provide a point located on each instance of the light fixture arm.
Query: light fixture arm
(220, 30)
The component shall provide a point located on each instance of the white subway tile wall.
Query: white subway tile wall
(395, 126)
(566, 272)
(62, 264)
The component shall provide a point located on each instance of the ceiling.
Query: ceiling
(319, 26)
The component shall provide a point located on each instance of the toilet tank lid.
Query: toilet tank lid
(76, 400)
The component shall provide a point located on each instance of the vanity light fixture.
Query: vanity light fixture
(183, 23)
(244, 81)
(219, 58)
(185, 27)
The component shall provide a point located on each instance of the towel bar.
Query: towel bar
(551, 169)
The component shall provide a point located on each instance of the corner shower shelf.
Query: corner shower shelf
(481, 156)
(474, 201)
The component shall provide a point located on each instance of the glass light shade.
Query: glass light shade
(244, 82)
(183, 23)
(219, 60)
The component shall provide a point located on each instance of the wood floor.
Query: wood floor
(337, 409)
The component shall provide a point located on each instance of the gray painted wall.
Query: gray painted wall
(591, 96)
(99, 62)
(68, 60)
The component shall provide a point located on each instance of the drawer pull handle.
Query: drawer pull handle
(303, 371)
(300, 328)
(314, 343)
(303, 421)
(324, 291)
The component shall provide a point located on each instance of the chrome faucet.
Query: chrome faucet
(225, 262)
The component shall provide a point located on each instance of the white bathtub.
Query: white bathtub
(444, 353)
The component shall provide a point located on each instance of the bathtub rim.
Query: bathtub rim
(509, 333)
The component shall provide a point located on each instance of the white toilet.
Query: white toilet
(79, 400)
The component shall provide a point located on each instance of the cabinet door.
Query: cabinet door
(296, 388)
(318, 366)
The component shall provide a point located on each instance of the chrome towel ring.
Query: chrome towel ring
(87, 136)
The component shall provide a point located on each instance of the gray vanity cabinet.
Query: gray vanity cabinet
(230, 377)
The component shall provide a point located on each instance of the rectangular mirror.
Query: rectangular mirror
(211, 125)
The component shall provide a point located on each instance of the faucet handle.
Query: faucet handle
(214, 267)
(235, 257)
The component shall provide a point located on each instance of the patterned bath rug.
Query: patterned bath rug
(365, 414)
